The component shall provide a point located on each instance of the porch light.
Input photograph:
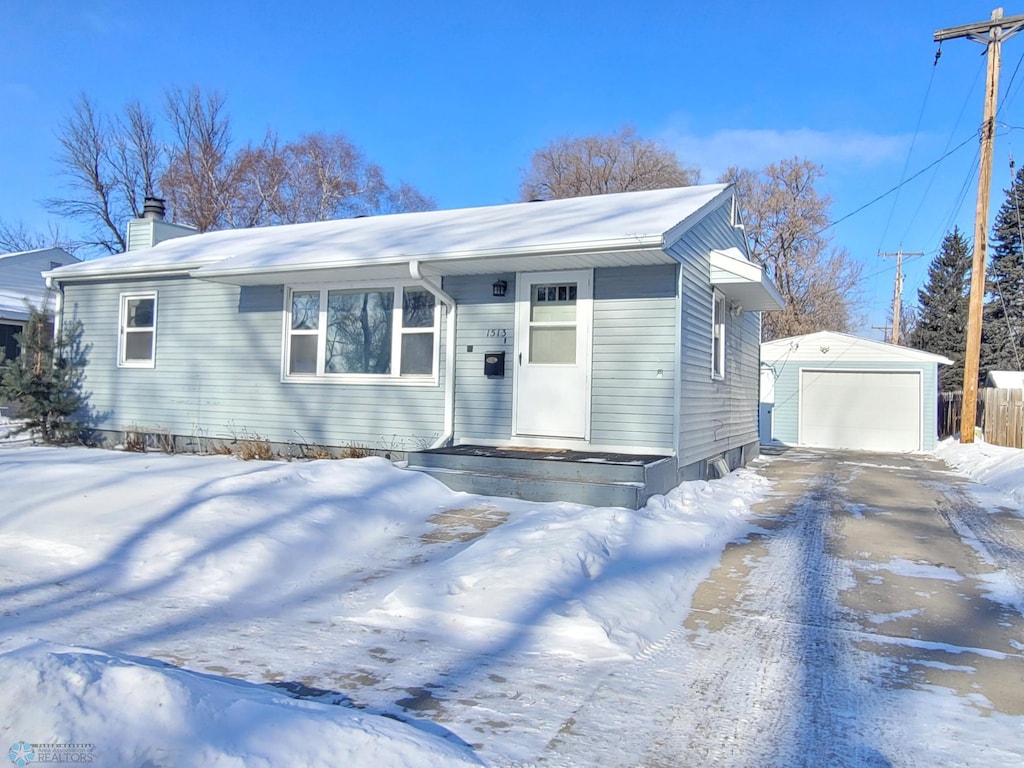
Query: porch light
(498, 288)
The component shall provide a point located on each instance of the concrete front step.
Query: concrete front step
(594, 479)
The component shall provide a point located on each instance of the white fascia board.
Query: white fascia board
(680, 229)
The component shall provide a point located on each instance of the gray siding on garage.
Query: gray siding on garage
(786, 410)
(634, 357)
(715, 415)
(218, 373)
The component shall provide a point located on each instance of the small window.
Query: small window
(137, 346)
(9, 345)
(418, 317)
(718, 336)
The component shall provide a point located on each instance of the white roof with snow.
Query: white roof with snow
(21, 281)
(624, 223)
(830, 347)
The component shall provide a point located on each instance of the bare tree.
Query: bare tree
(202, 177)
(18, 237)
(599, 164)
(316, 178)
(113, 163)
(110, 165)
(785, 217)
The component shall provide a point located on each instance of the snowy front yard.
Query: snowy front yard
(453, 628)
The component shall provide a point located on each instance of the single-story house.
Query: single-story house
(833, 390)
(21, 286)
(624, 324)
(1005, 379)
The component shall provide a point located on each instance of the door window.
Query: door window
(553, 324)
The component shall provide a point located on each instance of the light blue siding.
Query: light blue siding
(485, 323)
(715, 415)
(218, 373)
(786, 410)
(634, 357)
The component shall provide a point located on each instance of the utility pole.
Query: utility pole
(991, 34)
(897, 294)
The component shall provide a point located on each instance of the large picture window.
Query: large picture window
(363, 333)
(137, 339)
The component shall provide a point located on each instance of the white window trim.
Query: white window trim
(718, 335)
(397, 332)
(122, 332)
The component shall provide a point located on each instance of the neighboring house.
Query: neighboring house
(1005, 379)
(21, 286)
(833, 390)
(627, 324)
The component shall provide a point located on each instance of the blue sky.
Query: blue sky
(453, 97)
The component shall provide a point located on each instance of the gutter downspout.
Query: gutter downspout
(677, 373)
(449, 353)
(58, 306)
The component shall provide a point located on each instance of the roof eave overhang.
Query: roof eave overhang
(745, 283)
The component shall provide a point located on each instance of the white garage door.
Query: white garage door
(866, 410)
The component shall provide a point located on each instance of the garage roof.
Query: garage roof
(826, 346)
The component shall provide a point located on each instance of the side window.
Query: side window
(718, 336)
(137, 342)
(9, 345)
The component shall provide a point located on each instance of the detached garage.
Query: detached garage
(832, 390)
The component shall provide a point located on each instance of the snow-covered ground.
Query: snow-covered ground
(476, 621)
(173, 610)
(999, 470)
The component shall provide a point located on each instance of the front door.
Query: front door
(552, 354)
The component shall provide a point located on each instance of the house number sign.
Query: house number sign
(497, 333)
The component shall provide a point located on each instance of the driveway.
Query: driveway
(874, 619)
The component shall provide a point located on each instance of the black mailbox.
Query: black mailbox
(494, 364)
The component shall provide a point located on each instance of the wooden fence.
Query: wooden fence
(1000, 415)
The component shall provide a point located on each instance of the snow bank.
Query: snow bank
(583, 581)
(1002, 469)
(138, 712)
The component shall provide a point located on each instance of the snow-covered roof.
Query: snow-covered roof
(21, 281)
(1005, 379)
(625, 222)
(829, 346)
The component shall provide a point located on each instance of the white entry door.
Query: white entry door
(554, 312)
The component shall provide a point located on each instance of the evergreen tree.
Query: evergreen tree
(45, 380)
(942, 323)
(1002, 345)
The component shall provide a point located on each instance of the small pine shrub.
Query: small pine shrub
(45, 380)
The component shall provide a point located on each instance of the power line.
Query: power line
(913, 142)
(889, 192)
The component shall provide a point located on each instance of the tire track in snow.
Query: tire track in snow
(764, 681)
(989, 534)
